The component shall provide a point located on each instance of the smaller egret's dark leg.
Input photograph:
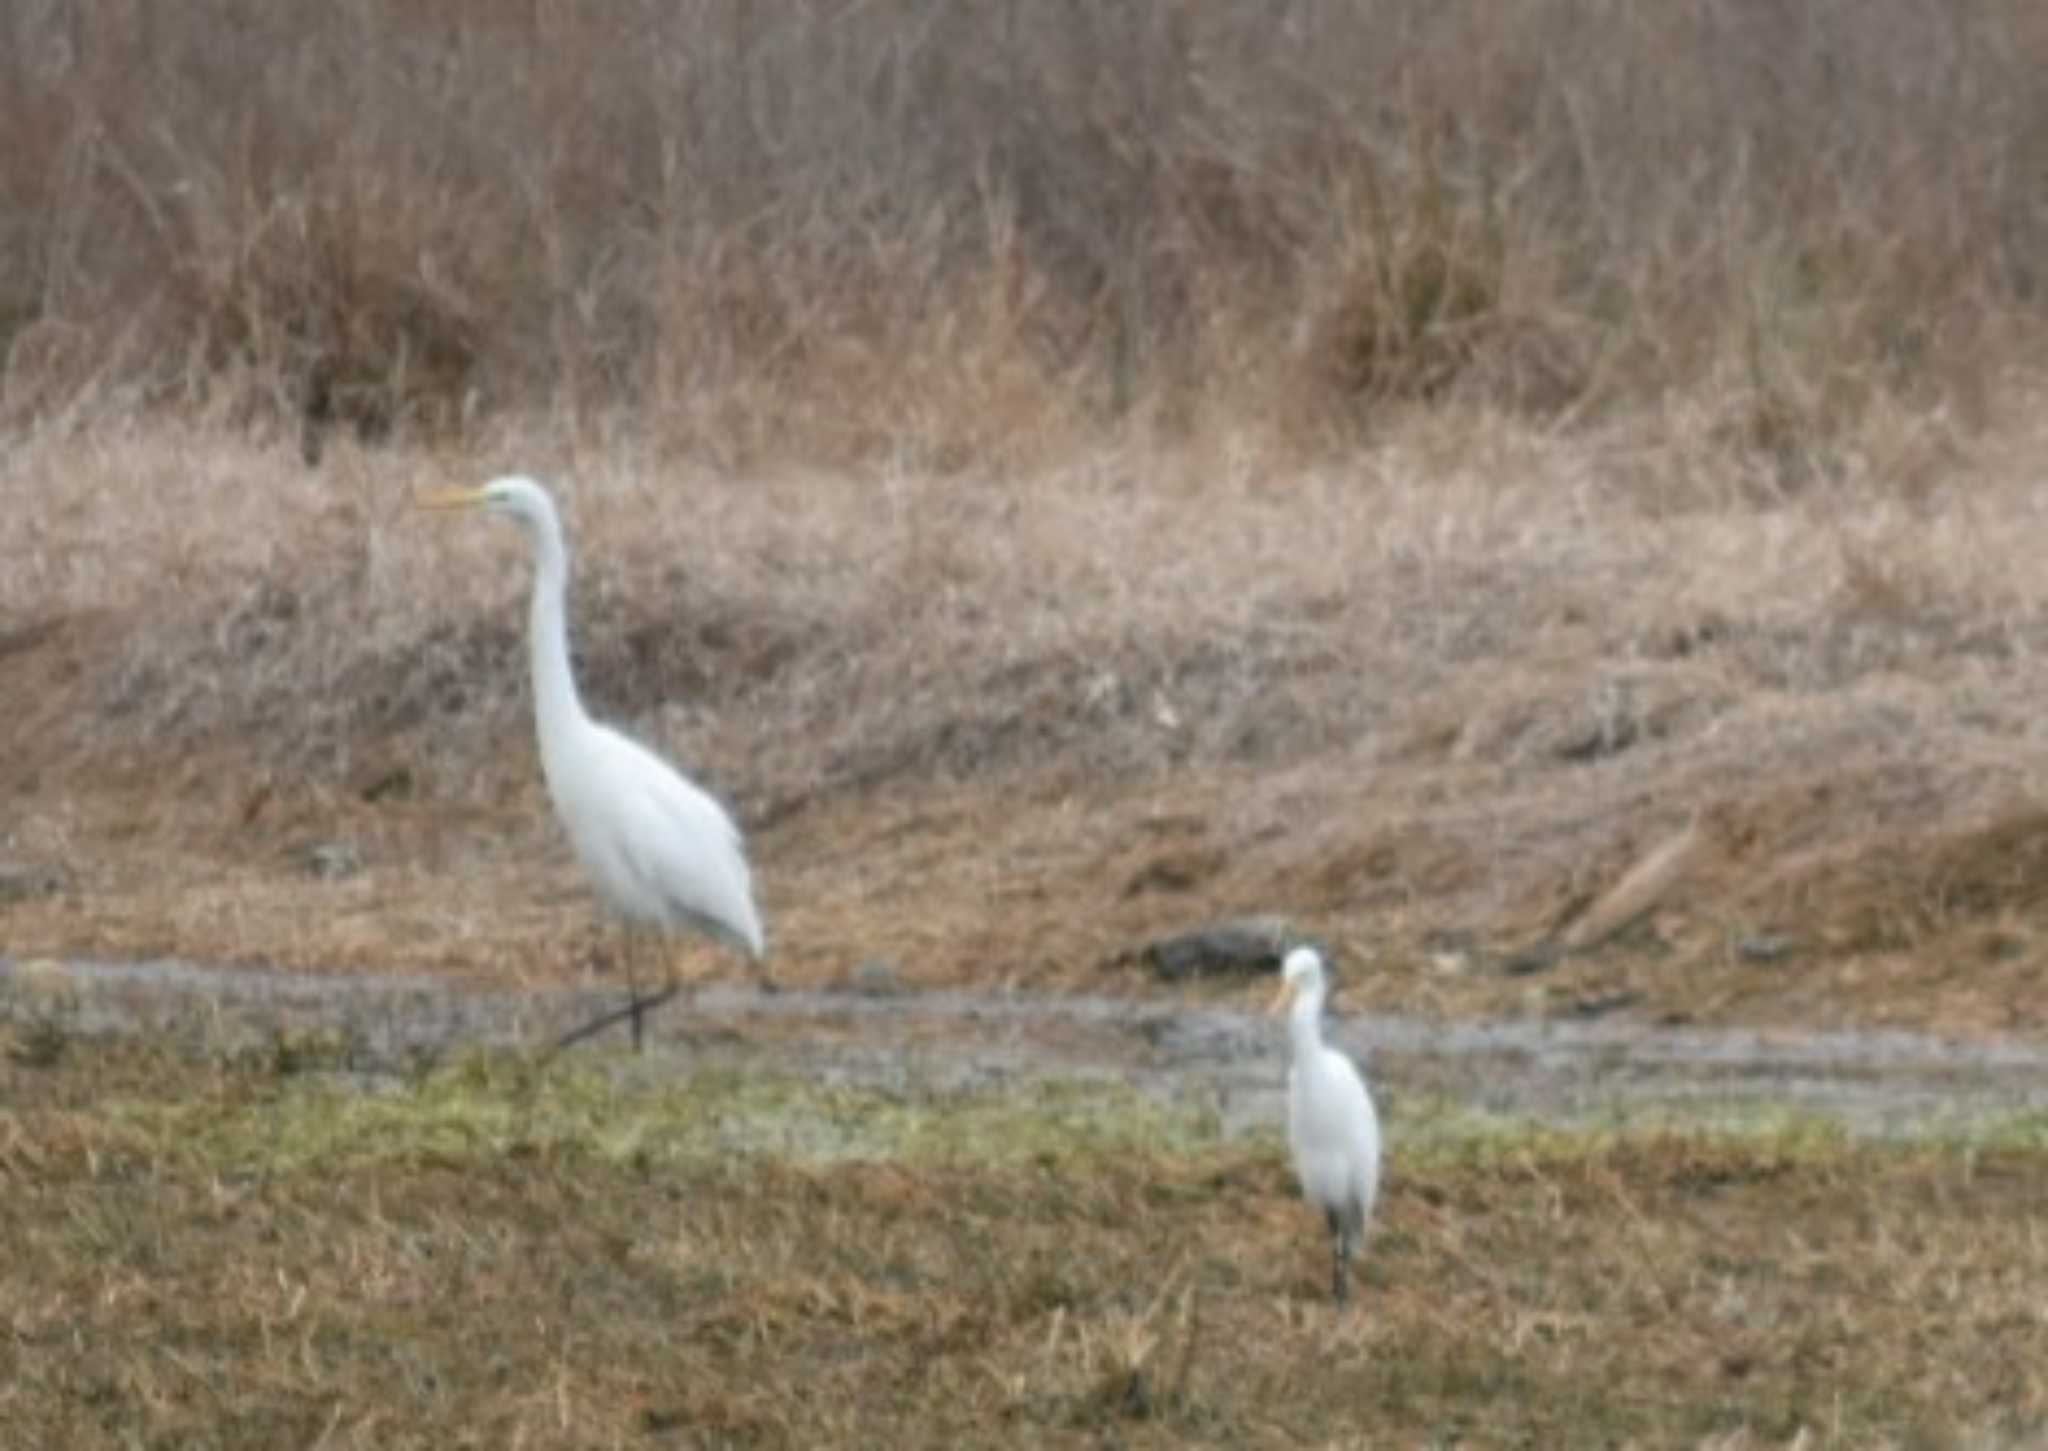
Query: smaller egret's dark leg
(1340, 1259)
(633, 1004)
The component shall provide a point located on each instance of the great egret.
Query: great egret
(660, 850)
(1330, 1119)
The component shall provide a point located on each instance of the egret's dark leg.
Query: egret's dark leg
(640, 1006)
(1340, 1258)
(633, 1004)
(629, 1013)
(633, 1012)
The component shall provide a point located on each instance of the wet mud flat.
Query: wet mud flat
(1221, 1063)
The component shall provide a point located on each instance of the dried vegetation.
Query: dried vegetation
(935, 234)
(1545, 496)
(243, 1252)
(1400, 465)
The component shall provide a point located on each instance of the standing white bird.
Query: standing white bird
(660, 850)
(1330, 1119)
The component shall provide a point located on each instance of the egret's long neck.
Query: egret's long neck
(556, 705)
(1305, 1023)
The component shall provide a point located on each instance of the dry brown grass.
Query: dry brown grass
(200, 1252)
(928, 233)
(1057, 480)
(1061, 477)
(1446, 692)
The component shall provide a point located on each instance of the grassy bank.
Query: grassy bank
(1435, 701)
(228, 1252)
(1400, 466)
(1467, 481)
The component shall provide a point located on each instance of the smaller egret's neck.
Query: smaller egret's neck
(556, 704)
(1305, 1021)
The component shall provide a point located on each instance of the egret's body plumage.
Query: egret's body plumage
(659, 849)
(1331, 1124)
(666, 854)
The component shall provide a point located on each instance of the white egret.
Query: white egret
(1330, 1119)
(660, 850)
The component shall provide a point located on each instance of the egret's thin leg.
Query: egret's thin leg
(671, 985)
(625, 1014)
(633, 1012)
(1340, 1259)
(633, 1003)
(669, 989)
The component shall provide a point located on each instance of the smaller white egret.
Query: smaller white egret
(1330, 1119)
(660, 850)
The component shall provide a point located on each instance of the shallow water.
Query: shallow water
(1209, 1060)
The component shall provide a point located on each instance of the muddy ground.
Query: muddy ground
(1216, 1061)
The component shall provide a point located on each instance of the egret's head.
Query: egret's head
(514, 494)
(1301, 975)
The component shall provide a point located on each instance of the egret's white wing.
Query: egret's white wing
(684, 848)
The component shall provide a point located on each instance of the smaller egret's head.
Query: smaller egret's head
(514, 495)
(1301, 975)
